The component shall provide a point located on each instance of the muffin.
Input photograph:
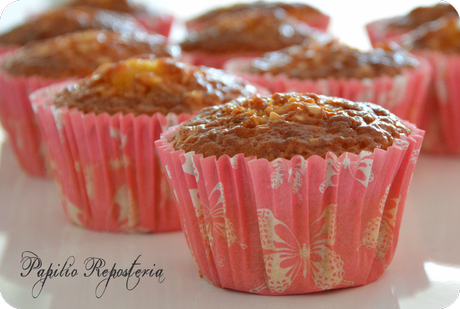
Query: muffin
(300, 11)
(66, 20)
(49, 61)
(439, 43)
(99, 132)
(292, 193)
(248, 34)
(151, 20)
(391, 29)
(388, 75)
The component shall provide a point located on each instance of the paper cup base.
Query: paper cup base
(106, 167)
(292, 226)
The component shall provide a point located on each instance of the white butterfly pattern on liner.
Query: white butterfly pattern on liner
(286, 259)
(284, 172)
(378, 234)
(354, 163)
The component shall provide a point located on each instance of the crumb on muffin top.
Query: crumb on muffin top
(300, 11)
(333, 59)
(69, 19)
(287, 124)
(421, 15)
(440, 35)
(148, 86)
(250, 31)
(79, 54)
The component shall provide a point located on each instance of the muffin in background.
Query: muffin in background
(291, 193)
(392, 29)
(100, 130)
(66, 20)
(45, 62)
(439, 43)
(248, 34)
(300, 11)
(153, 21)
(387, 75)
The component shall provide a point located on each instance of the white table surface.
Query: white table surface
(425, 273)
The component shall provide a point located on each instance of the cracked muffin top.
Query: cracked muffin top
(66, 20)
(299, 11)
(288, 124)
(148, 86)
(421, 15)
(441, 35)
(333, 59)
(250, 31)
(79, 54)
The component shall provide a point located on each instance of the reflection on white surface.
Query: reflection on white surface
(2, 135)
(12, 290)
(3, 245)
(443, 273)
(2, 138)
(443, 290)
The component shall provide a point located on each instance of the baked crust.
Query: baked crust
(288, 124)
(79, 54)
(441, 35)
(251, 31)
(317, 61)
(69, 19)
(148, 86)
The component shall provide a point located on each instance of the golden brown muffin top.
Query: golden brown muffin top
(440, 35)
(421, 15)
(124, 6)
(148, 86)
(317, 61)
(250, 31)
(79, 54)
(287, 124)
(300, 11)
(66, 20)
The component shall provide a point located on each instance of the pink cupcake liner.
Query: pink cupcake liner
(378, 32)
(159, 24)
(19, 121)
(441, 115)
(106, 167)
(403, 95)
(320, 23)
(7, 48)
(292, 226)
